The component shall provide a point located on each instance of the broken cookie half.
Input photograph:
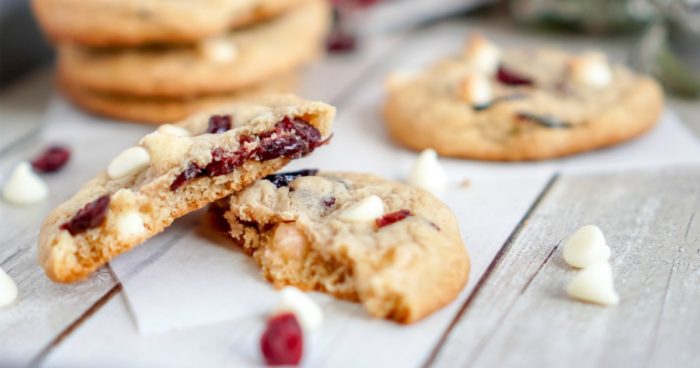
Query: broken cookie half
(176, 170)
(394, 248)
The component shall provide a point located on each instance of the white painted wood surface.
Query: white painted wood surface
(516, 317)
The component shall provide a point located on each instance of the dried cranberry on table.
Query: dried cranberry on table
(52, 159)
(393, 217)
(88, 217)
(282, 343)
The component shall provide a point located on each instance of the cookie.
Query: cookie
(173, 171)
(513, 105)
(113, 23)
(239, 60)
(394, 248)
(162, 110)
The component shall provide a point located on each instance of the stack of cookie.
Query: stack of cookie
(159, 61)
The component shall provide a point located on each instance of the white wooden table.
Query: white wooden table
(515, 312)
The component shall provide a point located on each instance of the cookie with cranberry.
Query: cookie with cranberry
(173, 171)
(392, 247)
(113, 23)
(239, 59)
(158, 110)
(516, 105)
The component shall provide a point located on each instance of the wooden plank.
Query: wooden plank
(522, 316)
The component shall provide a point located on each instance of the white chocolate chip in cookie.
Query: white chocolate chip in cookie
(130, 225)
(365, 210)
(131, 160)
(165, 149)
(399, 78)
(8, 289)
(475, 89)
(24, 186)
(306, 310)
(289, 242)
(427, 173)
(585, 247)
(218, 50)
(594, 284)
(173, 130)
(484, 55)
(590, 69)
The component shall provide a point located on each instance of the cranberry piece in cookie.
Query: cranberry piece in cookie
(282, 343)
(511, 78)
(393, 217)
(51, 160)
(219, 124)
(90, 216)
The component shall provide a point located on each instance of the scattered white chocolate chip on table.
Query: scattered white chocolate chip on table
(8, 289)
(594, 284)
(427, 173)
(308, 313)
(585, 247)
(484, 55)
(475, 89)
(218, 50)
(24, 186)
(365, 210)
(131, 160)
(591, 69)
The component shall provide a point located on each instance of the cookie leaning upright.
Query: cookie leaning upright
(521, 104)
(173, 171)
(392, 247)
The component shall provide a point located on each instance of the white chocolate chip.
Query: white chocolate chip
(8, 289)
(218, 50)
(130, 225)
(484, 55)
(475, 89)
(585, 247)
(367, 209)
(173, 130)
(427, 173)
(308, 313)
(24, 186)
(591, 69)
(594, 284)
(131, 160)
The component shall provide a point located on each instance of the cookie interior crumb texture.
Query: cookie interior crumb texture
(184, 174)
(402, 271)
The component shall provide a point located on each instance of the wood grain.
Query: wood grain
(523, 317)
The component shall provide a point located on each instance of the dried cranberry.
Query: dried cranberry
(390, 218)
(329, 202)
(291, 138)
(190, 173)
(219, 124)
(511, 78)
(90, 216)
(53, 159)
(282, 341)
(339, 42)
(544, 120)
(283, 179)
(225, 162)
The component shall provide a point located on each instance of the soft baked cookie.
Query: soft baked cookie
(394, 248)
(173, 171)
(157, 110)
(525, 104)
(136, 22)
(241, 59)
